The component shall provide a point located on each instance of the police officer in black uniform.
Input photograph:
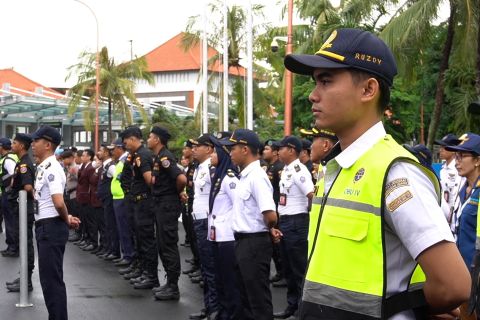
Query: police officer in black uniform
(23, 179)
(168, 184)
(305, 155)
(144, 216)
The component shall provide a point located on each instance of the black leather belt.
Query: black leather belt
(140, 197)
(45, 221)
(239, 235)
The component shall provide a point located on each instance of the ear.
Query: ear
(371, 89)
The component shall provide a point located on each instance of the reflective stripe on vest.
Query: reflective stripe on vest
(346, 254)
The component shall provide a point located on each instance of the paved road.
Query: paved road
(97, 292)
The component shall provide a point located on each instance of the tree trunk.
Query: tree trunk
(440, 91)
(110, 137)
(477, 80)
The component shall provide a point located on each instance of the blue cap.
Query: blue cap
(5, 143)
(244, 136)
(116, 143)
(222, 134)
(161, 132)
(48, 133)
(24, 138)
(306, 144)
(348, 48)
(448, 140)
(203, 140)
(421, 152)
(291, 142)
(470, 142)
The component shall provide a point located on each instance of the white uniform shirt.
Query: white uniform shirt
(253, 196)
(111, 169)
(295, 184)
(49, 180)
(412, 226)
(9, 164)
(222, 211)
(451, 184)
(202, 183)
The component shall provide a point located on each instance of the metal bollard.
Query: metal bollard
(22, 204)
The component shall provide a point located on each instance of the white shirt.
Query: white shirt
(202, 183)
(253, 196)
(295, 184)
(222, 211)
(49, 180)
(410, 228)
(9, 164)
(451, 184)
(111, 169)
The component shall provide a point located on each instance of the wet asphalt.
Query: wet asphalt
(96, 291)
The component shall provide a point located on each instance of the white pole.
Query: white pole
(225, 66)
(205, 71)
(22, 208)
(249, 66)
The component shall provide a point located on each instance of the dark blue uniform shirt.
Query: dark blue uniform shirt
(467, 231)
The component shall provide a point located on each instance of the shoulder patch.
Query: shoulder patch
(302, 179)
(230, 173)
(165, 162)
(395, 184)
(51, 177)
(232, 185)
(23, 165)
(23, 169)
(396, 203)
(297, 168)
(138, 161)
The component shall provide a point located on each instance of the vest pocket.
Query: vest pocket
(346, 227)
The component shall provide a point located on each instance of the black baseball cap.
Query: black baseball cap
(448, 140)
(132, 131)
(116, 143)
(203, 140)
(243, 136)
(292, 142)
(470, 142)
(222, 134)
(348, 48)
(48, 133)
(23, 138)
(272, 144)
(188, 143)
(161, 132)
(306, 144)
(5, 143)
(421, 152)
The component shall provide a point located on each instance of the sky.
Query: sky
(42, 38)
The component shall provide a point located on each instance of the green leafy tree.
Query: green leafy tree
(117, 86)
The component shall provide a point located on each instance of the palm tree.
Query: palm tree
(117, 86)
(236, 22)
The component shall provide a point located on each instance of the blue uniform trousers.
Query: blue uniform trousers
(123, 228)
(9, 224)
(111, 233)
(207, 265)
(294, 247)
(52, 236)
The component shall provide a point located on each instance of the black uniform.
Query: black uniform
(24, 175)
(143, 211)
(167, 211)
(187, 218)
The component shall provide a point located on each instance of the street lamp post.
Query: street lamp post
(288, 74)
(97, 75)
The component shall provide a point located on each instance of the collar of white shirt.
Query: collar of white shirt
(354, 151)
(292, 164)
(106, 162)
(49, 159)
(205, 163)
(252, 166)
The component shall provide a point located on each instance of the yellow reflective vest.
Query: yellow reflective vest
(346, 267)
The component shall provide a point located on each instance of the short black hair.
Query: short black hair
(253, 150)
(90, 153)
(384, 99)
(105, 147)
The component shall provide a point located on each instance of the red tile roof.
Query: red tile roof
(170, 56)
(19, 81)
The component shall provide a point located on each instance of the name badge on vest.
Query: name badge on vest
(283, 199)
(213, 234)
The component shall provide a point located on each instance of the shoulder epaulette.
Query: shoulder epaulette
(230, 173)
(297, 168)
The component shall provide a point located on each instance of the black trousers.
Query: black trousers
(167, 211)
(91, 223)
(14, 206)
(294, 246)
(253, 253)
(100, 222)
(227, 288)
(9, 224)
(190, 230)
(145, 229)
(111, 233)
(52, 236)
(81, 215)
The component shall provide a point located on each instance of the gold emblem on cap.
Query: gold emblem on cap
(327, 45)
